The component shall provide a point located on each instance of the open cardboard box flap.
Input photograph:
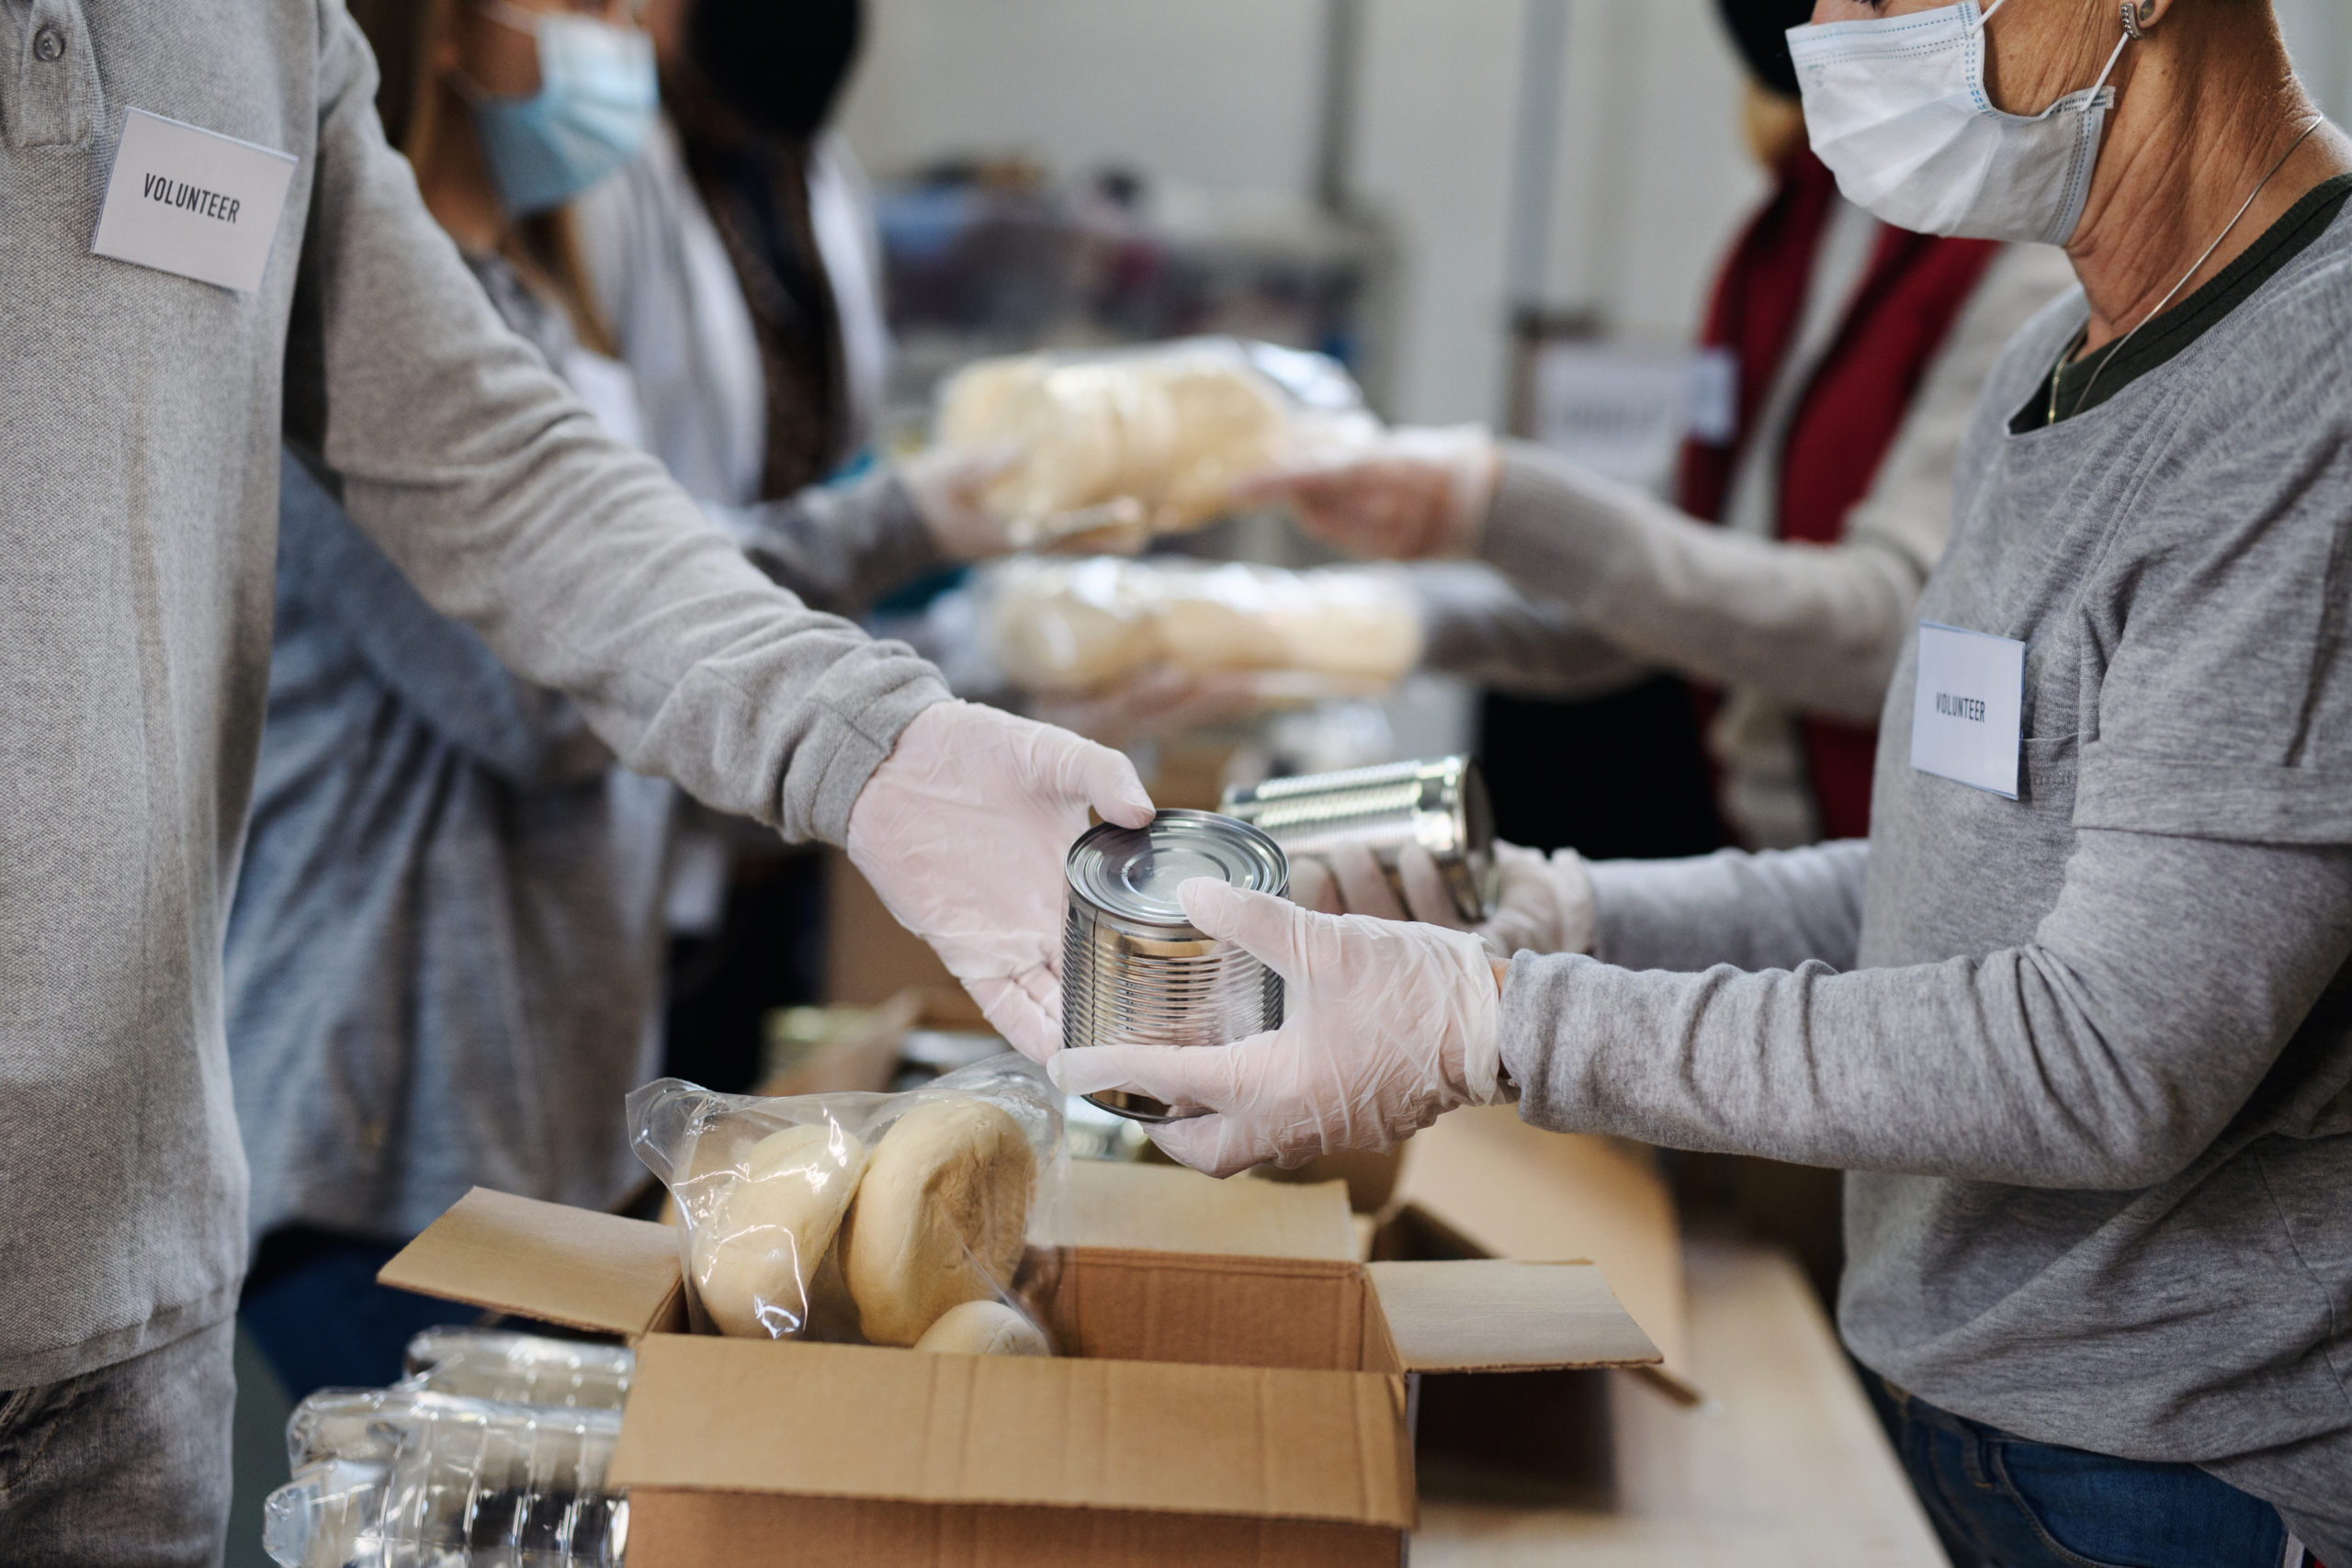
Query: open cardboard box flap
(709, 1415)
(1164, 1208)
(596, 1272)
(1498, 1316)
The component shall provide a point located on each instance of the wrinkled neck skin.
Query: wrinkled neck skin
(2209, 104)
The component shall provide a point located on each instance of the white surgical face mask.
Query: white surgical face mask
(1896, 108)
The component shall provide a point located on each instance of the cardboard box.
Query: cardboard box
(1246, 1406)
(1482, 1183)
(869, 956)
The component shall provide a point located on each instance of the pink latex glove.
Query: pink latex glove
(963, 831)
(1390, 1025)
(1410, 495)
(1542, 903)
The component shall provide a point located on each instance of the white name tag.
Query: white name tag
(1967, 712)
(193, 202)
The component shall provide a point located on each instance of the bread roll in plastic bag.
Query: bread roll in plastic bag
(1143, 441)
(862, 1218)
(1056, 626)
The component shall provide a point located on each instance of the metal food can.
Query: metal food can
(1135, 970)
(1440, 806)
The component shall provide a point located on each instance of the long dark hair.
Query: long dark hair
(542, 248)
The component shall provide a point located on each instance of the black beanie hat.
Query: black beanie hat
(1759, 26)
(779, 65)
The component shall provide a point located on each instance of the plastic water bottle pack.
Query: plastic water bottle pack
(428, 1474)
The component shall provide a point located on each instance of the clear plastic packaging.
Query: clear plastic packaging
(519, 1368)
(1060, 626)
(862, 1218)
(1143, 441)
(407, 1478)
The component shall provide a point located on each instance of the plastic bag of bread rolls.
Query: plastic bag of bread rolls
(1137, 442)
(1081, 626)
(927, 1219)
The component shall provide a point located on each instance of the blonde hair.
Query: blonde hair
(543, 249)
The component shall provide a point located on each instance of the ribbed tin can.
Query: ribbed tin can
(1440, 806)
(1135, 970)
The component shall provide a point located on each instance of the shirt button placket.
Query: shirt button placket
(49, 45)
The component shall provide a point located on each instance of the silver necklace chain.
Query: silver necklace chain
(2162, 305)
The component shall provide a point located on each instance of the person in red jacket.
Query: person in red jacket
(1782, 581)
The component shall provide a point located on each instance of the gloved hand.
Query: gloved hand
(963, 831)
(1413, 494)
(1153, 701)
(950, 489)
(1390, 1025)
(1543, 904)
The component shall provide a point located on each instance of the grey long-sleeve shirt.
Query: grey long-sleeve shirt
(138, 516)
(443, 960)
(1597, 584)
(2088, 1053)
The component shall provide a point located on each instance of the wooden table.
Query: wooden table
(1785, 1468)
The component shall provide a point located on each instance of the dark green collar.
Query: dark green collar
(2082, 384)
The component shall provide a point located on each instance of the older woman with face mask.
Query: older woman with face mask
(2075, 1017)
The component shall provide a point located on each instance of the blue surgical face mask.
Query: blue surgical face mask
(595, 107)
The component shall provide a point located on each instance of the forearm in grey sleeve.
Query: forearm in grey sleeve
(839, 549)
(582, 565)
(1477, 626)
(443, 672)
(2109, 1054)
(1818, 629)
(1774, 910)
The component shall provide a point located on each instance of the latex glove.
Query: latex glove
(1543, 904)
(949, 486)
(963, 831)
(1154, 701)
(1390, 1025)
(1410, 495)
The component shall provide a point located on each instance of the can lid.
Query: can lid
(1134, 873)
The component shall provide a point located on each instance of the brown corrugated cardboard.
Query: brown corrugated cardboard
(1244, 1442)
(1789, 1470)
(1482, 1183)
(596, 1272)
(869, 956)
(698, 1529)
(1486, 1316)
(1159, 1207)
(1219, 1410)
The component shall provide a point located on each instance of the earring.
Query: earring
(2138, 16)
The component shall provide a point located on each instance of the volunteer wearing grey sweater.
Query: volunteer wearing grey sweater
(2078, 1015)
(252, 230)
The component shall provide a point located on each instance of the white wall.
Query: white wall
(1224, 93)
(1432, 157)
(1217, 92)
(1655, 177)
(2319, 35)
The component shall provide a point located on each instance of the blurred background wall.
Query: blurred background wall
(1441, 127)
(1425, 118)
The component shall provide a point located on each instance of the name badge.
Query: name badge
(1967, 712)
(193, 202)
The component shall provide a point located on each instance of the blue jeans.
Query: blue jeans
(320, 1319)
(2001, 1502)
(126, 1467)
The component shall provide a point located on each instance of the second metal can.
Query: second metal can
(1440, 806)
(1135, 970)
